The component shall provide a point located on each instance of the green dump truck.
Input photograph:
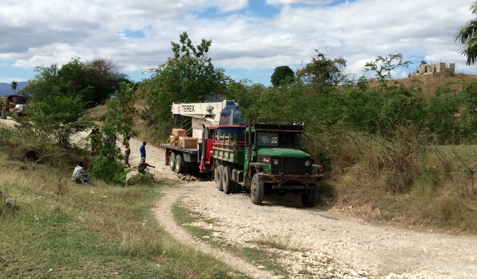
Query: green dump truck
(266, 158)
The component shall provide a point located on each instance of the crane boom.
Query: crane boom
(205, 114)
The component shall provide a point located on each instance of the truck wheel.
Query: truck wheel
(257, 190)
(227, 183)
(219, 170)
(179, 166)
(172, 160)
(308, 199)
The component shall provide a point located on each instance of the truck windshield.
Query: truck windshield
(279, 140)
(230, 132)
(267, 139)
(19, 101)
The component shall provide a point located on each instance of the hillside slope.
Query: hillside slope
(429, 84)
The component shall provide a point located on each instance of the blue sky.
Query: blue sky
(249, 38)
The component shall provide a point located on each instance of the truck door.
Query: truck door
(209, 145)
(248, 150)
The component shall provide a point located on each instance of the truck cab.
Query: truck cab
(214, 137)
(17, 103)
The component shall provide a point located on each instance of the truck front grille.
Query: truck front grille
(291, 165)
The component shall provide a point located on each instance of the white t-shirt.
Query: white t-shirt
(77, 173)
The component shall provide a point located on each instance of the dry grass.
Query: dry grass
(430, 84)
(140, 125)
(98, 111)
(405, 181)
(185, 217)
(4, 126)
(279, 240)
(84, 231)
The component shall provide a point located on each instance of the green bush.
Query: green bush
(109, 170)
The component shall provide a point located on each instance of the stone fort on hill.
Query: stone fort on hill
(434, 69)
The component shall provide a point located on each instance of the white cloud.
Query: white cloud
(288, 2)
(9, 80)
(48, 31)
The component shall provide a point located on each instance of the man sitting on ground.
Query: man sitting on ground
(79, 176)
(141, 168)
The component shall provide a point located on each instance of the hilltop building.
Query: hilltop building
(435, 69)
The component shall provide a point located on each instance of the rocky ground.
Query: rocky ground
(319, 244)
(313, 243)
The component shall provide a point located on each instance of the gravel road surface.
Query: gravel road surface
(321, 244)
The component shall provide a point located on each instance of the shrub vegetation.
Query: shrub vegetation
(386, 148)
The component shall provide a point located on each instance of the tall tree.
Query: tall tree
(322, 71)
(14, 86)
(383, 67)
(280, 74)
(189, 76)
(119, 115)
(467, 36)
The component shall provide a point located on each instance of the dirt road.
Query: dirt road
(9, 122)
(320, 244)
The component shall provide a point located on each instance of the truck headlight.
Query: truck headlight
(307, 163)
(275, 162)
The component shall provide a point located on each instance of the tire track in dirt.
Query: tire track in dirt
(374, 252)
(165, 218)
(163, 211)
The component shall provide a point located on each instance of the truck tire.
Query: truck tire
(308, 199)
(257, 190)
(179, 164)
(172, 160)
(218, 177)
(227, 182)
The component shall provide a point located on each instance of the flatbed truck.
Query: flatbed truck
(207, 121)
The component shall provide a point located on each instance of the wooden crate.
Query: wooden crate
(174, 140)
(186, 142)
(178, 132)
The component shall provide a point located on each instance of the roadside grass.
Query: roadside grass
(184, 217)
(60, 229)
(406, 182)
(281, 241)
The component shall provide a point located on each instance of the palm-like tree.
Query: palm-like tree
(467, 35)
(14, 86)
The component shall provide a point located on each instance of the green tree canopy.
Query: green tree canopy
(280, 74)
(189, 76)
(57, 117)
(119, 115)
(323, 71)
(94, 81)
(467, 36)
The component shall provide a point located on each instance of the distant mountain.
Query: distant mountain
(6, 88)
